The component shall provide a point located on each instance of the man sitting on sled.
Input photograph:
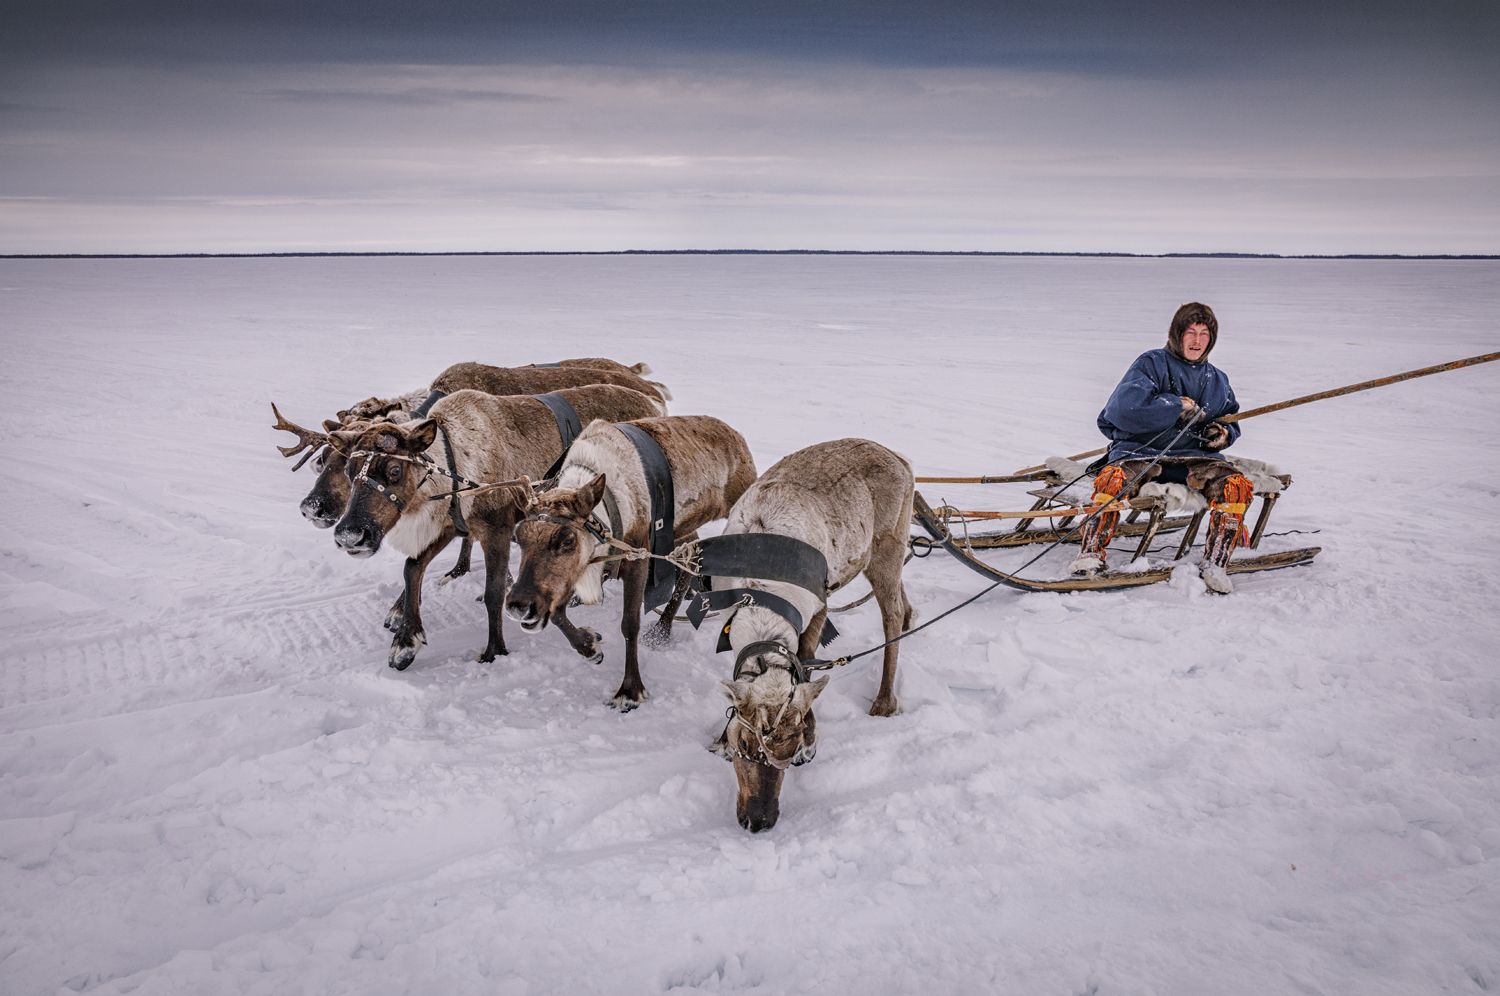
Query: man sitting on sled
(1164, 390)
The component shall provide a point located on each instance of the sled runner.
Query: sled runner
(1057, 511)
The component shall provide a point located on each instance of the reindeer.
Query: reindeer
(515, 380)
(566, 534)
(399, 471)
(329, 494)
(851, 500)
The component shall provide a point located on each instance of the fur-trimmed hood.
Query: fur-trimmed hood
(1190, 314)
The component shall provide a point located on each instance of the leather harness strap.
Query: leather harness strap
(568, 426)
(455, 513)
(766, 557)
(426, 406)
(661, 575)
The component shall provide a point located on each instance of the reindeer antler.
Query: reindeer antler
(305, 437)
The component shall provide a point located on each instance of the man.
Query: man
(1164, 391)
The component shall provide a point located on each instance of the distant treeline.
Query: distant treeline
(751, 252)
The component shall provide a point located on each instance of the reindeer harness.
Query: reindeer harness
(460, 482)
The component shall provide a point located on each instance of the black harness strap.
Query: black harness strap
(737, 598)
(454, 511)
(661, 534)
(426, 406)
(568, 426)
(765, 556)
(795, 666)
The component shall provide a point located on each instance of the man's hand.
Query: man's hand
(1215, 437)
(1188, 404)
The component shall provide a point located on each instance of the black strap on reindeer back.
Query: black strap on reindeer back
(433, 398)
(768, 557)
(568, 425)
(661, 536)
(454, 511)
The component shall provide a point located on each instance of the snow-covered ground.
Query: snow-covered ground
(210, 782)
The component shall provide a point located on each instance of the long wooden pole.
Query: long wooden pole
(1264, 409)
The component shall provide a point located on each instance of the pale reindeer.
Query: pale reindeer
(329, 495)
(397, 470)
(851, 500)
(567, 532)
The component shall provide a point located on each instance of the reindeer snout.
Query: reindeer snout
(756, 819)
(527, 612)
(315, 512)
(357, 541)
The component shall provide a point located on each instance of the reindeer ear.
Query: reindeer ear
(590, 495)
(422, 435)
(331, 425)
(737, 692)
(345, 440)
(803, 697)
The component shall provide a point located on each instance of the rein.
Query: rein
(820, 665)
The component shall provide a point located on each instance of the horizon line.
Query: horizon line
(294, 254)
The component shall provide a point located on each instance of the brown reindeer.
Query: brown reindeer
(516, 380)
(330, 492)
(851, 499)
(563, 535)
(396, 471)
(329, 495)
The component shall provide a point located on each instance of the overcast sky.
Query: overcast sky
(1103, 125)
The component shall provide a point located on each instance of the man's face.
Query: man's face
(1195, 340)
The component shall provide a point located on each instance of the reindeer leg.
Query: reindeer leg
(405, 619)
(660, 634)
(495, 544)
(884, 574)
(584, 639)
(462, 566)
(632, 690)
(807, 648)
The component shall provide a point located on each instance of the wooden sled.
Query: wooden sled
(1146, 518)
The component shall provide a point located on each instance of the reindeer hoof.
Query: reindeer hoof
(393, 620)
(404, 649)
(622, 704)
(596, 658)
(884, 707)
(489, 655)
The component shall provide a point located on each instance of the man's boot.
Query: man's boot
(1226, 531)
(1100, 528)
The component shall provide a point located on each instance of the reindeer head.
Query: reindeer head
(329, 495)
(771, 728)
(385, 472)
(557, 540)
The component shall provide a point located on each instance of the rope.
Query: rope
(1193, 418)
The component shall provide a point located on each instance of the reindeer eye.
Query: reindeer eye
(393, 472)
(565, 540)
(322, 458)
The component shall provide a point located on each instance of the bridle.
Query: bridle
(362, 478)
(762, 755)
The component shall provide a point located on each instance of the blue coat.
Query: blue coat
(1141, 415)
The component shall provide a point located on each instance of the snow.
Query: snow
(210, 782)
